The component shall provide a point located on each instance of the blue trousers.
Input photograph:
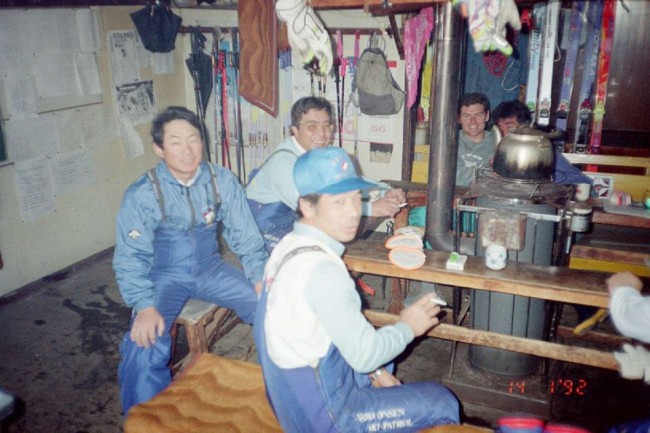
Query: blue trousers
(186, 265)
(334, 398)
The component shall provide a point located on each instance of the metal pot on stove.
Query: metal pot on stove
(524, 154)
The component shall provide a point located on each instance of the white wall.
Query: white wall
(84, 221)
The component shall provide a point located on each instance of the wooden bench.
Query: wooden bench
(204, 324)
(217, 394)
(550, 283)
(611, 257)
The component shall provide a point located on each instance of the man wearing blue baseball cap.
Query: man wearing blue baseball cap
(323, 362)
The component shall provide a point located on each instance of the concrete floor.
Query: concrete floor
(59, 354)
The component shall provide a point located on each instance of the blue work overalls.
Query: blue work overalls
(187, 264)
(334, 398)
(275, 219)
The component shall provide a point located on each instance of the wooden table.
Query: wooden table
(524, 279)
(544, 282)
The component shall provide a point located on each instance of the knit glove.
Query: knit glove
(487, 21)
(509, 14)
(634, 362)
(306, 33)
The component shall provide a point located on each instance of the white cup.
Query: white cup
(495, 257)
(583, 190)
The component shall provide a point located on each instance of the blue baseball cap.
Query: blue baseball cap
(328, 170)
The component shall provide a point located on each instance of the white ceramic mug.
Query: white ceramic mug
(583, 190)
(495, 257)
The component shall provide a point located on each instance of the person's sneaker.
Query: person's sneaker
(590, 322)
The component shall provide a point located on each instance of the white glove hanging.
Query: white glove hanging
(487, 21)
(306, 33)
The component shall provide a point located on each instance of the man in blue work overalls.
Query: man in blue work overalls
(271, 193)
(323, 362)
(167, 250)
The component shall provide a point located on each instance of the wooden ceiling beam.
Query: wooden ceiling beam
(372, 4)
(389, 6)
(68, 3)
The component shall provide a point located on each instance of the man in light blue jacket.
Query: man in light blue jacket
(271, 193)
(167, 250)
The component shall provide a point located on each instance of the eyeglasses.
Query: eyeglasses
(477, 116)
(314, 126)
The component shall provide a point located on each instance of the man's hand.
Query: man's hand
(397, 194)
(383, 379)
(147, 326)
(421, 315)
(388, 205)
(627, 279)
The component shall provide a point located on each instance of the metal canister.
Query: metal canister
(581, 217)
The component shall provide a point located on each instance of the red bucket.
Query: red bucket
(563, 428)
(520, 424)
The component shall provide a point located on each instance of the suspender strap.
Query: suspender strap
(255, 171)
(153, 177)
(291, 254)
(275, 153)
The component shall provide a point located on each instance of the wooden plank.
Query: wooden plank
(68, 3)
(601, 217)
(620, 161)
(613, 267)
(545, 349)
(601, 338)
(544, 282)
(610, 254)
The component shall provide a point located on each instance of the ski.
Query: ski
(534, 56)
(590, 61)
(546, 78)
(574, 35)
(606, 43)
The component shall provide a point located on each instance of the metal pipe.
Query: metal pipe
(449, 49)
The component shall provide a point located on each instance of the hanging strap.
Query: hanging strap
(357, 50)
(225, 133)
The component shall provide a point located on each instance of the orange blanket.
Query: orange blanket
(214, 394)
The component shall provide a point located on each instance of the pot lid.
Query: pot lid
(527, 132)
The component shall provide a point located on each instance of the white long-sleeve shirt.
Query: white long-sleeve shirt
(313, 303)
(630, 312)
